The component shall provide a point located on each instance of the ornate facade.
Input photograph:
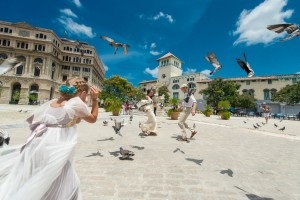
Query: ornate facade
(47, 61)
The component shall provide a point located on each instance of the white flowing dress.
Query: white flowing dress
(42, 169)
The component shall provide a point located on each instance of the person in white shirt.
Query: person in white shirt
(188, 106)
(149, 127)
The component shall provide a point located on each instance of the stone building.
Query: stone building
(261, 87)
(47, 61)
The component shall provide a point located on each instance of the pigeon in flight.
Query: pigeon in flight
(117, 127)
(282, 129)
(293, 30)
(9, 64)
(125, 153)
(258, 125)
(211, 57)
(255, 126)
(116, 45)
(245, 66)
(275, 125)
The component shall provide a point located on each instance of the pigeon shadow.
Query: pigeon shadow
(177, 149)
(137, 147)
(229, 172)
(253, 196)
(179, 138)
(106, 139)
(95, 154)
(198, 162)
(115, 153)
(130, 159)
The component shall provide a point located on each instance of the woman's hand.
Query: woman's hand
(94, 92)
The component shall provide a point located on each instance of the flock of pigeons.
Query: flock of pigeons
(257, 125)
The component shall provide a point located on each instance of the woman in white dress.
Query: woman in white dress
(149, 127)
(42, 168)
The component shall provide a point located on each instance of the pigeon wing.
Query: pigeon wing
(211, 57)
(8, 65)
(290, 29)
(278, 28)
(125, 48)
(107, 39)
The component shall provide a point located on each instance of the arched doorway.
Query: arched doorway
(33, 94)
(15, 93)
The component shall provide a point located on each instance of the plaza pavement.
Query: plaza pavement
(227, 159)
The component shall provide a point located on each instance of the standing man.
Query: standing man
(266, 111)
(188, 106)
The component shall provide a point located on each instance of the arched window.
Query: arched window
(175, 87)
(251, 92)
(3, 56)
(273, 91)
(38, 60)
(191, 85)
(15, 93)
(266, 94)
(245, 91)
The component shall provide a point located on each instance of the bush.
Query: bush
(225, 115)
(208, 111)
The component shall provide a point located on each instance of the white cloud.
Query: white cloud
(153, 45)
(73, 27)
(68, 12)
(152, 72)
(105, 67)
(163, 15)
(251, 25)
(155, 53)
(297, 72)
(190, 71)
(206, 72)
(77, 3)
(160, 15)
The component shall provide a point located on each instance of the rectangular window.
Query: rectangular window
(66, 67)
(76, 69)
(175, 95)
(86, 69)
(64, 78)
(269, 81)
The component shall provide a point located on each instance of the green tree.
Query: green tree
(245, 101)
(16, 95)
(163, 90)
(220, 90)
(289, 94)
(120, 88)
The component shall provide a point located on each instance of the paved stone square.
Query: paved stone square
(227, 159)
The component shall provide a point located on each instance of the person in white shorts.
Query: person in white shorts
(188, 106)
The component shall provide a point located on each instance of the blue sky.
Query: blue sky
(188, 29)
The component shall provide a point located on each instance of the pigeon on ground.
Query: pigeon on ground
(194, 126)
(116, 45)
(9, 64)
(125, 153)
(258, 125)
(20, 110)
(228, 171)
(138, 147)
(211, 57)
(131, 117)
(282, 129)
(292, 30)
(245, 66)
(275, 125)
(255, 126)
(105, 123)
(4, 138)
(244, 122)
